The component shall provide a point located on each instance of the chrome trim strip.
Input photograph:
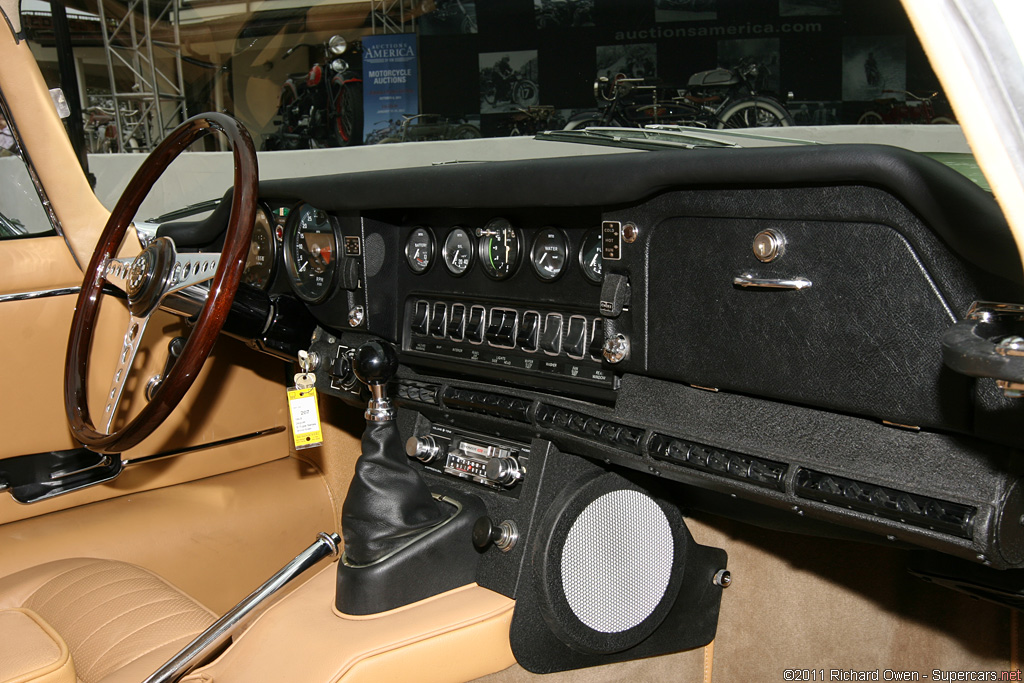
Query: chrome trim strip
(211, 444)
(42, 294)
(44, 198)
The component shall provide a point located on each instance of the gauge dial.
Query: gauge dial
(311, 248)
(591, 260)
(498, 248)
(549, 254)
(419, 250)
(458, 251)
(262, 258)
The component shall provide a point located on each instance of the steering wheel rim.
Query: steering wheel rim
(159, 277)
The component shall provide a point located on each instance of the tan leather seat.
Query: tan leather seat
(120, 622)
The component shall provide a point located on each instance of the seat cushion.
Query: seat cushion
(120, 621)
(31, 651)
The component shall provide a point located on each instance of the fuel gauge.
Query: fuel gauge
(591, 260)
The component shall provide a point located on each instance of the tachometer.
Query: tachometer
(548, 254)
(498, 248)
(311, 249)
(262, 258)
(591, 260)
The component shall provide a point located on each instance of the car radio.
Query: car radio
(497, 463)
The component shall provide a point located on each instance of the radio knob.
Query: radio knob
(504, 470)
(423, 448)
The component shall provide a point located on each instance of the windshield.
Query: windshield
(348, 74)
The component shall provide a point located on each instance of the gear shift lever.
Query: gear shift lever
(374, 364)
(387, 501)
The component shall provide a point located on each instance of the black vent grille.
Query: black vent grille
(603, 431)
(899, 506)
(496, 405)
(757, 471)
(418, 392)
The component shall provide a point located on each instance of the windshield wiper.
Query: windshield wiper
(635, 138)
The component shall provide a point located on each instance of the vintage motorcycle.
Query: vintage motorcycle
(718, 98)
(323, 107)
(519, 90)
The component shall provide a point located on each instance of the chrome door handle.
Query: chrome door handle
(748, 280)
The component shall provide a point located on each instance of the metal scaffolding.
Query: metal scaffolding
(392, 16)
(145, 41)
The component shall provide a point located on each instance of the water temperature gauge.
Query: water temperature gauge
(548, 255)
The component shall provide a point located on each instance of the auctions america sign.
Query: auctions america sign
(390, 83)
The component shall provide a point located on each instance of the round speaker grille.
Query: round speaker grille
(617, 561)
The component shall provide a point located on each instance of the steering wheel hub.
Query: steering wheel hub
(148, 275)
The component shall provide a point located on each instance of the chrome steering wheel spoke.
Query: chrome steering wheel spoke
(129, 348)
(191, 269)
(116, 270)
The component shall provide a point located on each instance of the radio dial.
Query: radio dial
(504, 470)
(423, 448)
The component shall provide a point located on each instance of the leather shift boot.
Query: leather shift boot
(387, 501)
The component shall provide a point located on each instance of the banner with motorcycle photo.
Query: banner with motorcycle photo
(390, 83)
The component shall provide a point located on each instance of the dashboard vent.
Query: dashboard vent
(487, 403)
(746, 468)
(899, 506)
(609, 433)
(419, 392)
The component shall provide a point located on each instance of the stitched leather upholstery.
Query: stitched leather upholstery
(119, 621)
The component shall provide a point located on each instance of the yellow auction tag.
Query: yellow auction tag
(305, 418)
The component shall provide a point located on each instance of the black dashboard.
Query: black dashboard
(759, 329)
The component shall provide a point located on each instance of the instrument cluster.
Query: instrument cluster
(500, 249)
(305, 239)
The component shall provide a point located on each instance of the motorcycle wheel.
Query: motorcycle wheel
(466, 131)
(755, 112)
(490, 94)
(870, 118)
(525, 93)
(347, 127)
(943, 121)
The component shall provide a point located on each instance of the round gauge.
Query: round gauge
(458, 251)
(548, 254)
(311, 246)
(590, 257)
(419, 250)
(262, 258)
(498, 248)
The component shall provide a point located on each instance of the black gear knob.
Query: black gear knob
(375, 363)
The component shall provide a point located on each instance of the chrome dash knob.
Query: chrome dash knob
(423, 448)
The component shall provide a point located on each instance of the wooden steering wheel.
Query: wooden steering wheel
(148, 279)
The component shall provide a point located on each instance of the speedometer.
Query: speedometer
(498, 248)
(311, 249)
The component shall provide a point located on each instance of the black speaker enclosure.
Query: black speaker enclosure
(547, 635)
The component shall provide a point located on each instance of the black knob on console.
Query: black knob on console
(504, 536)
(375, 362)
